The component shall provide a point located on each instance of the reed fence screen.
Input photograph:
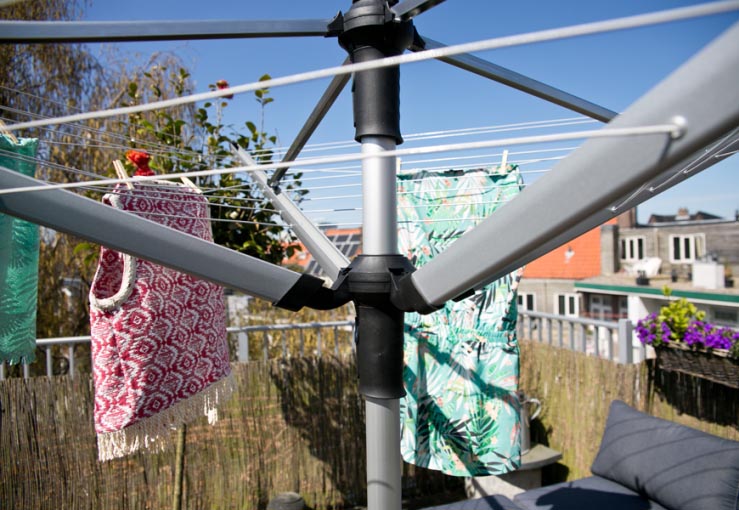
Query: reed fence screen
(297, 424)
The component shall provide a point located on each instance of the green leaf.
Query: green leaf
(83, 247)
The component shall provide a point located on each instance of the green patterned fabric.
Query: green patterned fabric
(461, 411)
(19, 242)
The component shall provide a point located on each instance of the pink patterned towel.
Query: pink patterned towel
(159, 347)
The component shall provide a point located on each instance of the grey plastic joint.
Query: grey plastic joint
(309, 291)
(405, 296)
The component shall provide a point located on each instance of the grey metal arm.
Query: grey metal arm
(166, 30)
(518, 81)
(562, 204)
(328, 256)
(327, 100)
(67, 212)
(664, 181)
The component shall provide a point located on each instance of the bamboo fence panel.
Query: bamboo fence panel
(576, 391)
(297, 424)
(292, 425)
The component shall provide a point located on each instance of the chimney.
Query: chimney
(609, 249)
(683, 214)
(627, 219)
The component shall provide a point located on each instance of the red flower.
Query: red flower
(223, 84)
(141, 160)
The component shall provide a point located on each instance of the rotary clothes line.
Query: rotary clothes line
(159, 346)
(461, 412)
(19, 248)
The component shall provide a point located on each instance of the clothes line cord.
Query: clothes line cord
(346, 144)
(88, 130)
(358, 184)
(220, 220)
(593, 28)
(450, 133)
(357, 209)
(250, 187)
(212, 204)
(304, 180)
(670, 130)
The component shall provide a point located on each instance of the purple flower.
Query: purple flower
(666, 332)
(698, 335)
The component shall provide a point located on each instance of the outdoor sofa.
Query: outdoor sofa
(644, 463)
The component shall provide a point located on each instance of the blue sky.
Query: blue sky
(609, 69)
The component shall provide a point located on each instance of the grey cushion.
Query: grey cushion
(679, 467)
(586, 493)
(486, 503)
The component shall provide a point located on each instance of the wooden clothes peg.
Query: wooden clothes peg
(504, 161)
(187, 182)
(120, 170)
(141, 160)
(8, 133)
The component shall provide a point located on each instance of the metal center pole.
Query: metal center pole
(370, 31)
(380, 237)
(383, 454)
(379, 198)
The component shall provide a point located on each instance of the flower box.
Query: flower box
(714, 365)
(684, 342)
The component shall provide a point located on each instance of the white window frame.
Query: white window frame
(695, 244)
(523, 298)
(629, 248)
(571, 301)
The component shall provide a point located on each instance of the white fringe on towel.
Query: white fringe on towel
(153, 433)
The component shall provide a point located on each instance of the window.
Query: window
(632, 248)
(600, 307)
(686, 248)
(526, 301)
(725, 316)
(567, 304)
(623, 307)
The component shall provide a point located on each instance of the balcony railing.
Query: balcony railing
(335, 336)
(611, 340)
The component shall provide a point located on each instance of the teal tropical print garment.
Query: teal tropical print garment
(19, 243)
(461, 411)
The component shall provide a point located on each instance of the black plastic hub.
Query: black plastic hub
(369, 31)
(370, 280)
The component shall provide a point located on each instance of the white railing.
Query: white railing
(244, 336)
(613, 340)
(607, 339)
